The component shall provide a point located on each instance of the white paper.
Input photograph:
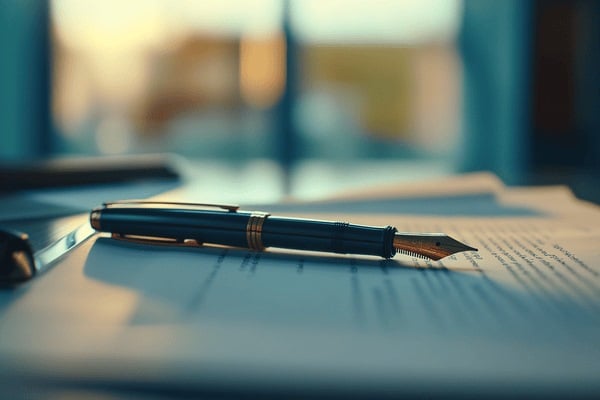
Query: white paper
(519, 316)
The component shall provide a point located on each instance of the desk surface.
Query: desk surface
(520, 317)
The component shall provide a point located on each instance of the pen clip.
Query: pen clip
(165, 241)
(195, 206)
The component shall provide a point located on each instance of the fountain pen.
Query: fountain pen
(193, 224)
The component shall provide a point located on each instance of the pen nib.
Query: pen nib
(428, 245)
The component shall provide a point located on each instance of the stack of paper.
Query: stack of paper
(521, 316)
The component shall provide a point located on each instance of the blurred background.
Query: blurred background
(271, 98)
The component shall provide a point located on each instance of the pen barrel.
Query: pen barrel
(328, 236)
(232, 229)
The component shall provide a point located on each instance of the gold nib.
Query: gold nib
(428, 245)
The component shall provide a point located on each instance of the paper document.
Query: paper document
(522, 315)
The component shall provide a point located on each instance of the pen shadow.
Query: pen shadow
(171, 282)
(298, 289)
(104, 249)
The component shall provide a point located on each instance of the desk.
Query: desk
(520, 317)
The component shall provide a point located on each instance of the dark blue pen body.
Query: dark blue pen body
(230, 229)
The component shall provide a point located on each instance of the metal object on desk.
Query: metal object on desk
(25, 255)
(17, 263)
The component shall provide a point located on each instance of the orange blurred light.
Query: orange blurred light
(262, 69)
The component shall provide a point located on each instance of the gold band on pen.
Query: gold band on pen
(254, 230)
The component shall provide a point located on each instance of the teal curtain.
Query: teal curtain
(24, 79)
